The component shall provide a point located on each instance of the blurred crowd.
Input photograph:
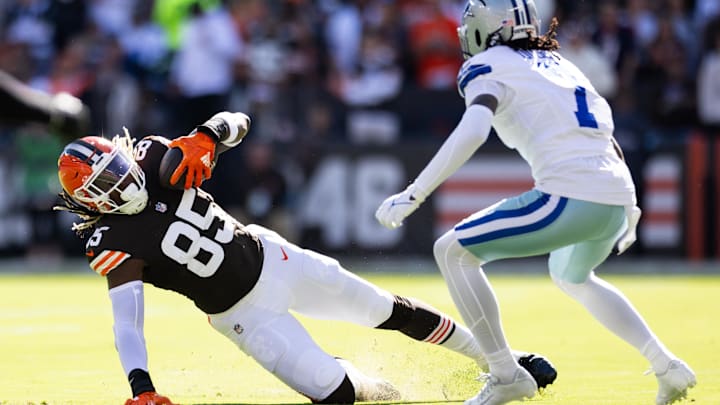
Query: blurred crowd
(318, 72)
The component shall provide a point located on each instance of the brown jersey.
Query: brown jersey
(188, 242)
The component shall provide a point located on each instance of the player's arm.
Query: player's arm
(223, 131)
(126, 295)
(469, 134)
(63, 113)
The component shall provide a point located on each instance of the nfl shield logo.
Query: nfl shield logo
(160, 207)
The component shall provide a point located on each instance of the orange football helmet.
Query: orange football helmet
(102, 175)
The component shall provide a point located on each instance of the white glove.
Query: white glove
(396, 208)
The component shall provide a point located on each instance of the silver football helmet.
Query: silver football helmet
(486, 23)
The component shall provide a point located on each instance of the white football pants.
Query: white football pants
(310, 284)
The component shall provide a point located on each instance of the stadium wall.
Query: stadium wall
(334, 208)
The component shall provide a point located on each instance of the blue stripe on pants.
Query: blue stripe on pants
(514, 213)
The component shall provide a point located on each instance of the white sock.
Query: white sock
(502, 364)
(612, 309)
(463, 342)
(658, 355)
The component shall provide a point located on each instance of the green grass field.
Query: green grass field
(56, 344)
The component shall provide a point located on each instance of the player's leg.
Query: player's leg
(525, 225)
(530, 224)
(571, 269)
(318, 286)
(476, 302)
(280, 344)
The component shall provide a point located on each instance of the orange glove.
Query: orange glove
(149, 398)
(198, 153)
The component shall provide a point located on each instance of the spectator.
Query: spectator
(68, 73)
(433, 41)
(147, 56)
(172, 15)
(145, 45)
(343, 34)
(616, 41)
(112, 16)
(25, 23)
(705, 11)
(643, 20)
(260, 194)
(370, 89)
(115, 95)
(203, 68)
(682, 25)
(579, 50)
(664, 78)
(708, 82)
(69, 20)
(277, 55)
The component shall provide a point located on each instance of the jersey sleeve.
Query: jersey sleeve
(495, 64)
(490, 72)
(107, 248)
(149, 153)
(471, 70)
(106, 261)
(495, 88)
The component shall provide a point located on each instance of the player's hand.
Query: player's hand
(69, 117)
(396, 208)
(149, 398)
(198, 153)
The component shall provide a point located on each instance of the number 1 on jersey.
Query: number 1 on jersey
(584, 116)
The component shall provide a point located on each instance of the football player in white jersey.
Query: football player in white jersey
(582, 204)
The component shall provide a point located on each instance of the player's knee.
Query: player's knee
(568, 286)
(343, 394)
(267, 346)
(445, 247)
(442, 244)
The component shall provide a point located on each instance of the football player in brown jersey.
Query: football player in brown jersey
(245, 277)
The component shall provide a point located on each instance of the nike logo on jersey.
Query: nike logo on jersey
(285, 256)
(90, 253)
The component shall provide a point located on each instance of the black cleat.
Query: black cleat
(540, 368)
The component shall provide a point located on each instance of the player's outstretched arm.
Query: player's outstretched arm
(63, 113)
(128, 306)
(223, 131)
(470, 133)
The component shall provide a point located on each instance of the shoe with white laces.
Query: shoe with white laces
(674, 382)
(496, 392)
(368, 388)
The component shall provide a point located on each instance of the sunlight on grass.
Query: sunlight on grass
(56, 344)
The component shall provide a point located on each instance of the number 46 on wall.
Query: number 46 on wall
(342, 195)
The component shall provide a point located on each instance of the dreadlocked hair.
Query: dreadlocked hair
(89, 217)
(547, 42)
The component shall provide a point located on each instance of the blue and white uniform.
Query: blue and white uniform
(583, 199)
(550, 113)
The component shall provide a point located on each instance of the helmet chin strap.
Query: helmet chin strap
(136, 199)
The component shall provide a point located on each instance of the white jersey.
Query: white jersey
(550, 113)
